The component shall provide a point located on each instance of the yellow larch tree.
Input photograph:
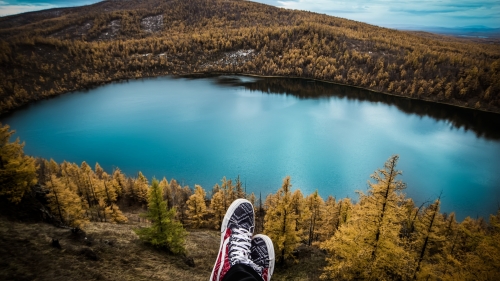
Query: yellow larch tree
(17, 171)
(485, 263)
(217, 208)
(238, 189)
(183, 196)
(345, 208)
(301, 215)
(65, 203)
(111, 210)
(165, 189)
(229, 192)
(121, 182)
(252, 200)
(476, 252)
(168, 194)
(174, 198)
(140, 189)
(280, 222)
(451, 262)
(316, 206)
(197, 209)
(368, 245)
(328, 223)
(96, 192)
(429, 243)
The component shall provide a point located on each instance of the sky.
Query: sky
(387, 13)
(10, 7)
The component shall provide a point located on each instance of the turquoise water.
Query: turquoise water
(326, 137)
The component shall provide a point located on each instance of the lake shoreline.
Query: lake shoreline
(215, 74)
(314, 132)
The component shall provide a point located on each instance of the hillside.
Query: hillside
(52, 52)
(108, 251)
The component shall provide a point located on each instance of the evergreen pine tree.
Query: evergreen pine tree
(164, 232)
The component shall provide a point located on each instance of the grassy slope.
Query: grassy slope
(26, 253)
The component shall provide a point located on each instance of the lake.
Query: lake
(326, 137)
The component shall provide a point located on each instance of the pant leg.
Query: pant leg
(241, 272)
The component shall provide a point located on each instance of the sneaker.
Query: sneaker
(262, 254)
(236, 234)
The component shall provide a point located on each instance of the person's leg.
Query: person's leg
(262, 254)
(236, 233)
(242, 272)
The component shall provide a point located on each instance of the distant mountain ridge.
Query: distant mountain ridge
(472, 31)
(47, 53)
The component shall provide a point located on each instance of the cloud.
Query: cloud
(444, 13)
(11, 7)
(7, 9)
(447, 13)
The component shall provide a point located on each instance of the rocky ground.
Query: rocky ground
(152, 23)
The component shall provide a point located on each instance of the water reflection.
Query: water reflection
(324, 136)
(483, 124)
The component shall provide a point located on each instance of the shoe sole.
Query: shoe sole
(223, 227)
(270, 250)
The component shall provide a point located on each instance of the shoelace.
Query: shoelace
(240, 250)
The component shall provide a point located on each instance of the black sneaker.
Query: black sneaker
(262, 254)
(236, 234)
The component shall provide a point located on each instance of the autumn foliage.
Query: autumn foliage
(17, 171)
(53, 52)
(381, 236)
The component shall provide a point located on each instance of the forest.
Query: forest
(382, 235)
(48, 53)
